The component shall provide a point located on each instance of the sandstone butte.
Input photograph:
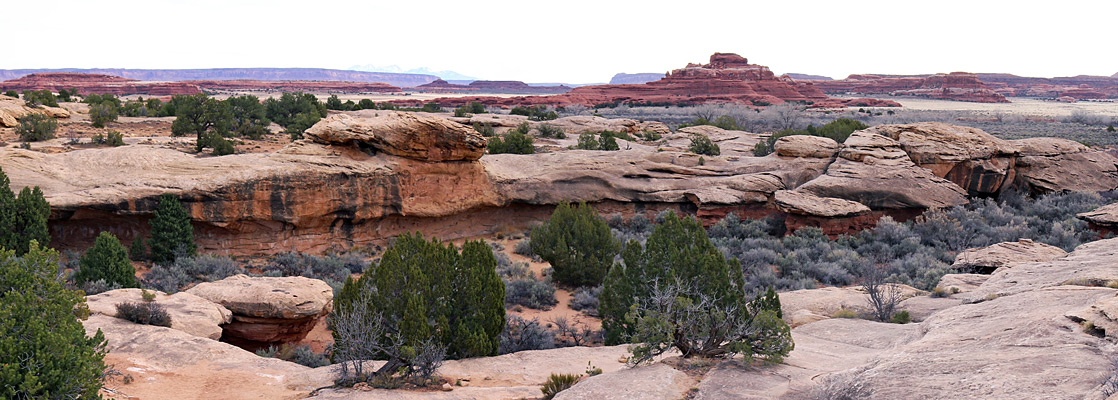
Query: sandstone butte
(958, 86)
(728, 78)
(363, 177)
(510, 87)
(1015, 334)
(97, 84)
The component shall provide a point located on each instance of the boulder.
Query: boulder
(806, 146)
(656, 381)
(575, 125)
(987, 259)
(1053, 165)
(1091, 264)
(973, 159)
(189, 313)
(12, 109)
(963, 282)
(1103, 219)
(874, 170)
(413, 135)
(269, 310)
(804, 203)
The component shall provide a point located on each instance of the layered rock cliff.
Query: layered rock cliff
(367, 176)
(958, 86)
(97, 84)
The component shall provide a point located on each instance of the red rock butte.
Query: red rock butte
(510, 87)
(728, 78)
(97, 84)
(958, 86)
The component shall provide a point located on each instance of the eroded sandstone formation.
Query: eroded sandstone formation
(189, 313)
(97, 84)
(988, 259)
(727, 78)
(511, 87)
(12, 109)
(958, 86)
(294, 86)
(268, 310)
(364, 177)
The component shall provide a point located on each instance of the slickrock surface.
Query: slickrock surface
(189, 313)
(269, 310)
(1006, 254)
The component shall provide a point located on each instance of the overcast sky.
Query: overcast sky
(568, 41)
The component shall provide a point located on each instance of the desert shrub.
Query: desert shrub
(107, 260)
(462, 111)
(485, 129)
(578, 244)
(23, 218)
(431, 107)
(723, 121)
(113, 138)
(607, 143)
(513, 142)
(586, 300)
(106, 98)
(551, 131)
(40, 98)
(295, 112)
(701, 144)
(221, 146)
(654, 298)
(524, 248)
(901, 317)
(556, 383)
(521, 334)
(99, 286)
(422, 301)
(513, 271)
(331, 268)
(167, 279)
(531, 293)
(301, 354)
(101, 114)
(12, 94)
(650, 136)
(145, 313)
(587, 141)
(185, 271)
(44, 350)
(535, 113)
(171, 231)
(249, 117)
(36, 127)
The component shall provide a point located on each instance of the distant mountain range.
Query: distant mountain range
(634, 79)
(261, 74)
(445, 75)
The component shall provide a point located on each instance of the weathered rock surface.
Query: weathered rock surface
(963, 282)
(189, 313)
(656, 381)
(269, 310)
(806, 146)
(1089, 264)
(805, 306)
(1051, 165)
(973, 159)
(12, 109)
(412, 135)
(168, 363)
(1103, 219)
(583, 123)
(874, 170)
(795, 202)
(1006, 254)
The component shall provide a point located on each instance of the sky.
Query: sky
(571, 41)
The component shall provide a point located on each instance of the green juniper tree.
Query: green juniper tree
(171, 231)
(107, 260)
(578, 243)
(22, 219)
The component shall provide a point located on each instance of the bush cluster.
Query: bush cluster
(146, 313)
(535, 113)
(838, 130)
(577, 242)
(106, 261)
(36, 127)
(530, 292)
(295, 112)
(521, 334)
(23, 218)
(40, 98)
(301, 354)
(516, 141)
(702, 145)
(185, 271)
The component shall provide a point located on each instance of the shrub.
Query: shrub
(557, 383)
(249, 117)
(901, 317)
(485, 129)
(521, 334)
(939, 292)
(551, 131)
(301, 354)
(845, 313)
(535, 113)
(607, 143)
(44, 350)
(513, 143)
(107, 260)
(145, 313)
(330, 269)
(531, 293)
(524, 248)
(587, 141)
(295, 112)
(23, 218)
(423, 300)
(586, 300)
(171, 231)
(114, 138)
(36, 127)
(578, 244)
(655, 297)
(101, 114)
(701, 144)
(12, 94)
(222, 146)
(99, 286)
(513, 271)
(431, 107)
(39, 98)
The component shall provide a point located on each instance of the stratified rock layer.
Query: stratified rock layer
(189, 313)
(959, 86)
(988, 259)
(13, 109)
(268, 310)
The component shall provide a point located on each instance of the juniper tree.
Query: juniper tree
(578, 243)
(107, 260)
(171, 231)
(23, 218)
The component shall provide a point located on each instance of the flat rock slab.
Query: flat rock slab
(963, 282)
(656, 381)
(264, 297)
(1005, 254)
(189, 313)
(1105, 216)
(419, 136)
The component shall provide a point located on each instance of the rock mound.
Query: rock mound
(268, 310)
(189, 313)
(987, 259)
(413, 135)
(12, 109)
(657, 381)
(806, 146)
(1103, 219)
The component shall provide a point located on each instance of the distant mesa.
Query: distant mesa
(1082, 87)
(808, 77)
(634, 79)
(510, 87)
(297, 86)
(260, 74)
(958, 86)
(727, 78)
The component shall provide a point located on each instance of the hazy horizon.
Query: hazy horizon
(580, 42)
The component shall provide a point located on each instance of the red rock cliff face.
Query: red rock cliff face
(513, 87)
(727, 78)
(297, 86)
(97, 84)
(958, 86)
